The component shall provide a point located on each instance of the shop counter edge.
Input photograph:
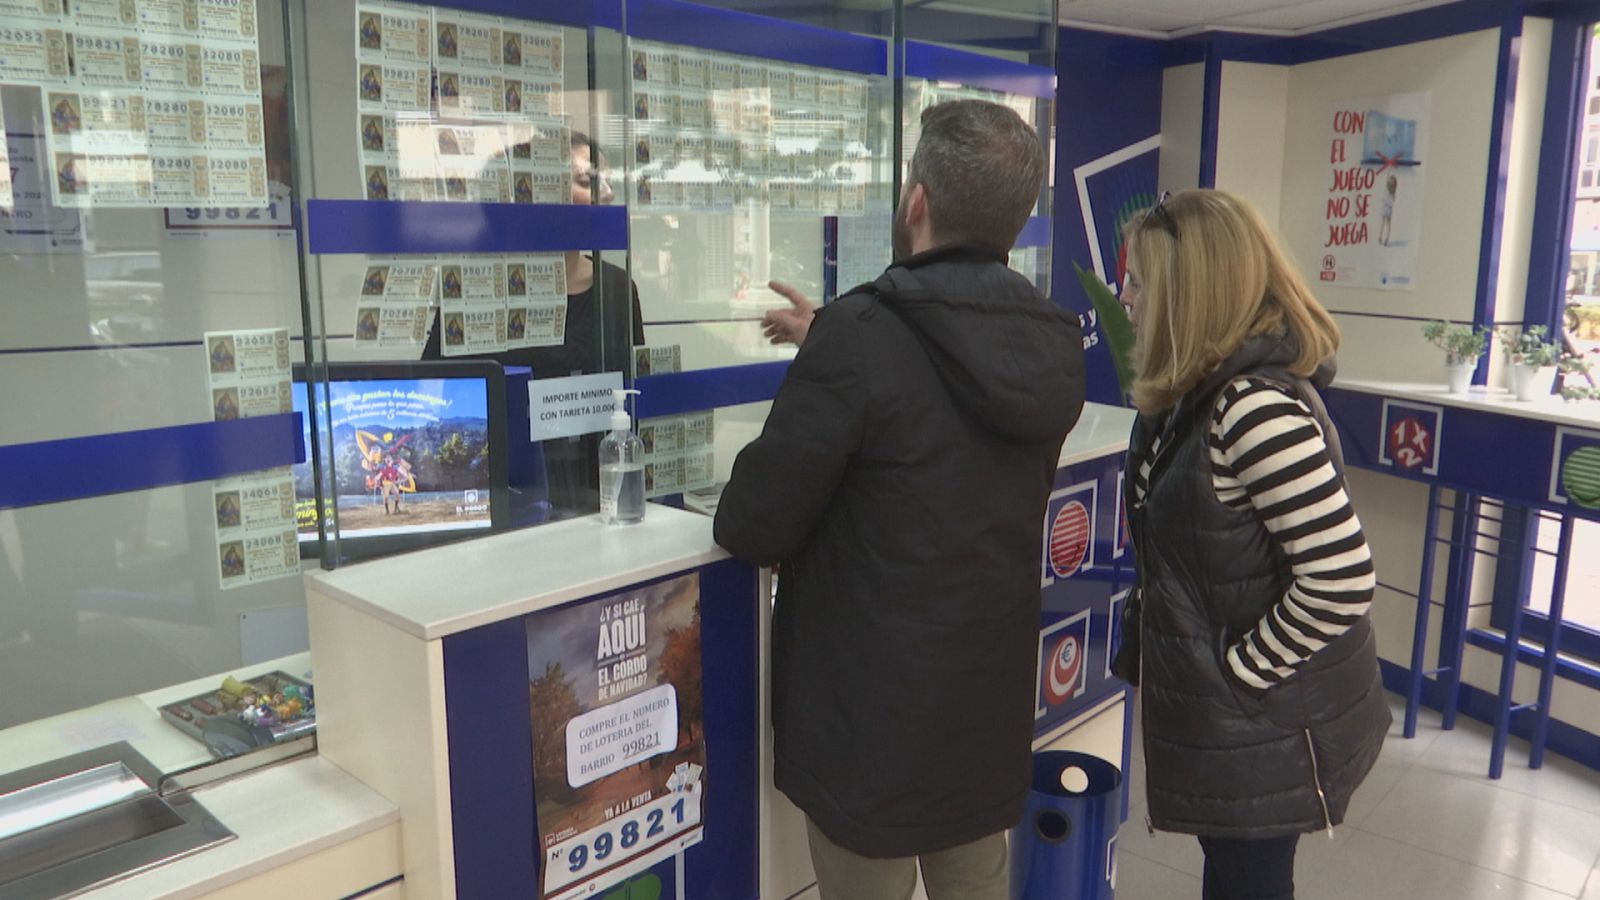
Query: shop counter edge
(1101, 431)
(1578, 414)
(518, 572)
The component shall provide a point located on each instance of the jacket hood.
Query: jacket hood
(1011, 359)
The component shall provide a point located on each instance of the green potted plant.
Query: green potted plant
(1114, 323)
(1533, 358)
(1462, 346)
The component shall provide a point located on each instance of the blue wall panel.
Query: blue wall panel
(1110, 101)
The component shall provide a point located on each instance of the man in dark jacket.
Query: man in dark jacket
(901, 483)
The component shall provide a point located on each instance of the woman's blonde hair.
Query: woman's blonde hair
(1212, 275)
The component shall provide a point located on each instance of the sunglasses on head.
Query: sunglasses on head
(1162, 215)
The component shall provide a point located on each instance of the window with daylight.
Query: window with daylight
(1580, 326)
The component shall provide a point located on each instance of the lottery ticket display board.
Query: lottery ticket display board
(459, 106)
(148, 103)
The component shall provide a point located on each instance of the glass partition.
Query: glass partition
(309, 282)
(472, 151)
(153, 316)
(760, 147)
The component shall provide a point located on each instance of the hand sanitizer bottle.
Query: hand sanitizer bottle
(621, 468)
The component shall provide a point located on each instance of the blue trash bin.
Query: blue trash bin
(1065, 846)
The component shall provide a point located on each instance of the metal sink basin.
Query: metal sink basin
(82, 821)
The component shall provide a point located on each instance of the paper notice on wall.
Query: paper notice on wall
(148, 102)
(237, 179)
(178, 178)
(257, 557)
(113, 13)
(472, 163)
(106, 58)
(468, 281)
(570, 406)
(387, 325)
(248, 373)
(32, 54)
(699, 430)
(397, 157)
(227, 19)
(400, 281)
(626, 691)
(677, 453)
(396, 304)
(33, 224)
(546, 144)
(471, 330)
(392, 32)
(540, 183)
(536, 323)
(466, 93)
(536, 297)
(1371, 215)
(172, 65)
(48, 10)
(466, 39)
(540, 48)
(87, 179)
(659, 360)
(233, 71)
(259, 501)
(169, 16)
(382, 87)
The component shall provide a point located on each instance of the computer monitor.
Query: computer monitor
(418, 455)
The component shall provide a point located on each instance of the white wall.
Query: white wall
(1459, 73)
(1182, 112)
(1252, 116)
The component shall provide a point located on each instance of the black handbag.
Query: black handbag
(1125, 662)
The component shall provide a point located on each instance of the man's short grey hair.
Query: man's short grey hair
(983, 167)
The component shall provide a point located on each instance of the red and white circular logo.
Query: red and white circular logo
(1061, 676)
(1069, 539)
(1410, 443)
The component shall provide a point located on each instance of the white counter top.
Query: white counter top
(1101, 431)
(133, 719)
(1578, 414)
(280, 814)
(420, 593)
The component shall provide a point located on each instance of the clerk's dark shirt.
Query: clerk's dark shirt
(603, 324)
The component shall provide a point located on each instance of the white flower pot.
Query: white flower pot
(1532, 382)
(1461, 375)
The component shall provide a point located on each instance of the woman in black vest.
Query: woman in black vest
(1261, 699)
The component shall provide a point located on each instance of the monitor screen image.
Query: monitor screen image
(410, 457)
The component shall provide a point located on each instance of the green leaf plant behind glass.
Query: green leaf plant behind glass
(1114, 324)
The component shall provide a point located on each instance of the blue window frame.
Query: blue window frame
(1564, 161)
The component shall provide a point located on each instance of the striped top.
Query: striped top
(1268, 454)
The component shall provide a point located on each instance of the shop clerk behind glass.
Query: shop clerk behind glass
(603, 323)
(1262, 705)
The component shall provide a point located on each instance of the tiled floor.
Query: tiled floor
(1428, 824)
